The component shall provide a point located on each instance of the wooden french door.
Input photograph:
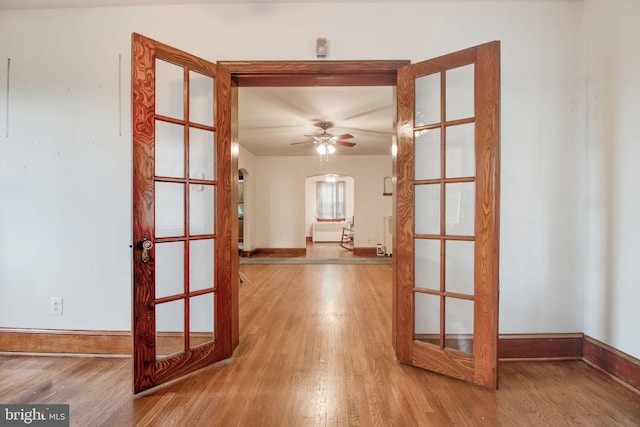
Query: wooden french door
(447, 209)
(183, 292)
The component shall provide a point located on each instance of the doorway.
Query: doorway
(276, 125)
(444, 104)
(477, 67)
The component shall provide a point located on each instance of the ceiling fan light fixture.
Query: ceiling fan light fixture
(326, 148)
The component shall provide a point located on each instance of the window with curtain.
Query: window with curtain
(330, 200)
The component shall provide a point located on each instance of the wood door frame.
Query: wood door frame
(370, 73)
(296, 74)
(313, 73)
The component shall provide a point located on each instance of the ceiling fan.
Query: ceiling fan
(326, 141)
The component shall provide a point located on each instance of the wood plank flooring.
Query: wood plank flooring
(328, 250)
(315, 350)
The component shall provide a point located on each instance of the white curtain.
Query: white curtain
(330, 200)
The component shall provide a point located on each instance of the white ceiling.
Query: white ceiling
(272, 118)
(55, 4)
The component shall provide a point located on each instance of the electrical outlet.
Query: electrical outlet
(56, 306)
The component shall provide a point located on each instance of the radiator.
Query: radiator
(327, 231)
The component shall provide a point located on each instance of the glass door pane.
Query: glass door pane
(169, 269)
(201, 329)
(169, 89)
(201, 209)
(427, 318)
(427, 259)
(169, 209)
(201, 267)
(460, 151)
(459, 324)
(185, 190)
(460, 208)
(169, 149)
(444, 203)
(459, 264)
(201, 100)
(427, 206)
(460, 93)
(169, 328)
(428, 100)
(202, 154)
(427, 154)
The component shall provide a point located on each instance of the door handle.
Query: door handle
(146, 245)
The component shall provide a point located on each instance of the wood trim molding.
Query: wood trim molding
(280, 251)
(365, 252)
(540, 346)
(117, 343)
(621, 366)
(314, 73)
(511, 347)
(248, 254)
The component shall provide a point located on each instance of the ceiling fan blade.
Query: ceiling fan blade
(375, 132)
(344, 136)
(304, 142)
(345, 143)
(368, 112)
(262, 127)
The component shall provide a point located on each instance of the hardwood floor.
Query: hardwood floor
(315, 350)
(328, 250)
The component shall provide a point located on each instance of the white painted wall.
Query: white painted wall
(612, 291)
(281, 221)
(65, 168)
(281, 202)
